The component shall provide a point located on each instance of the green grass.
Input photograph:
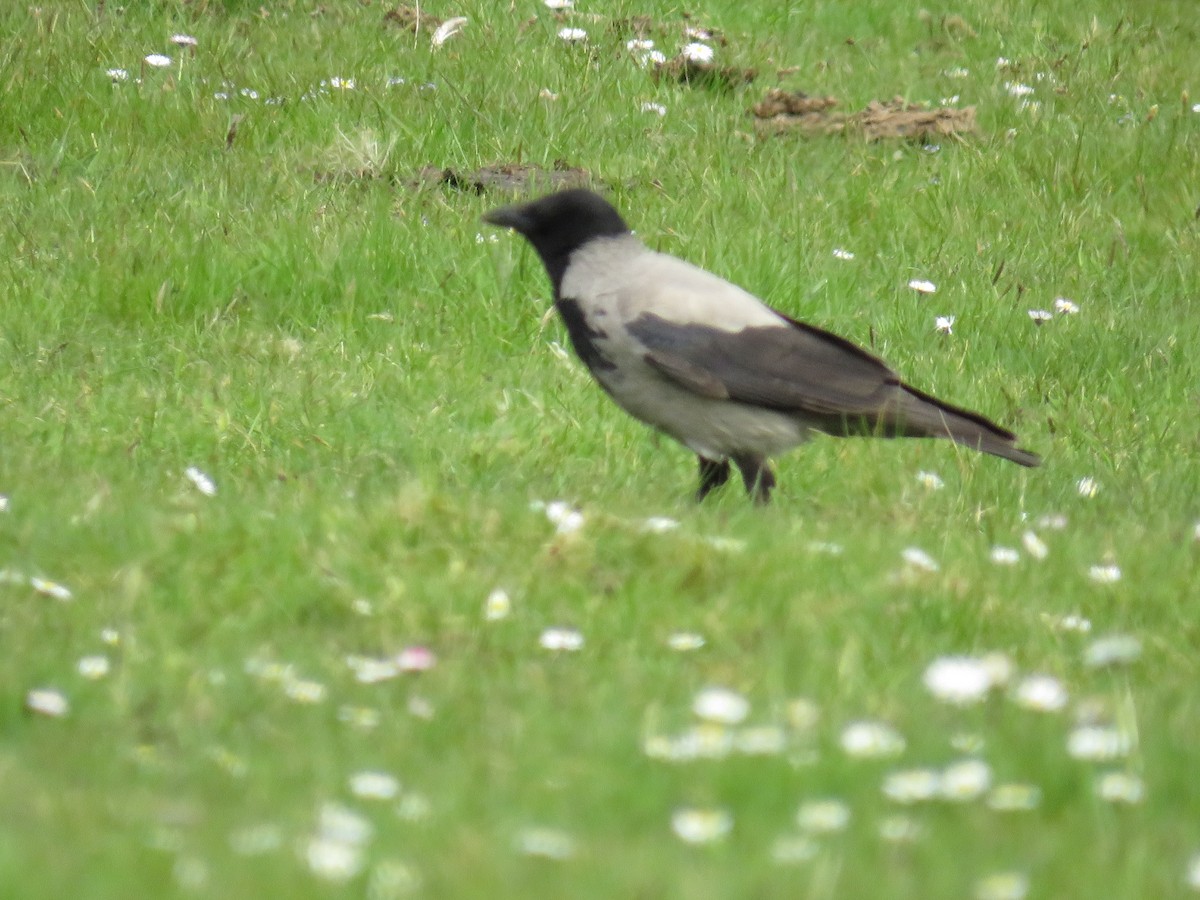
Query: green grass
(375, 396)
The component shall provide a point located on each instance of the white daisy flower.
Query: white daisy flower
(760, 740)
(117, 74)
(256, 840)
(447, 30)
(823, 816)
(871, 740)
(1014, 797)
(1065, 307)
(899, 829)
(1034, 545)
(363, 718)
(651, 57)
(659, 524)
(342, 84)
(565, 519)
(1098, 742)
(839, 253)
(304, 690)
(1120, 787)
(959, 680)
(369, 670)
(912, 785)
(1192, 879)
(157, 61)
(47, 702)
(545, 843)
(965, 780)
(1070, 622)
(656, 108)
(944, 324)
(1039, 316)
(930, 481)
(572, 35)
(202, 482)
(558, 4)
(790, 849)
(957, 72)
(48, 588)
(372, 785)
(1043, 693)
(1005, 556)
(184, 40)
(919, 559)
(685, 641)
(1002, 886)
(497, 606)
(1016, 89)
(720, 705)
(701, 826)
(639, 45)
(566, 640)
(701, 54)
(922, 286)
(1112, 650)
(1109, 573)
(93, 668)
(333, 860)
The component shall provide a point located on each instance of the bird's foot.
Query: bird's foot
(713, 474)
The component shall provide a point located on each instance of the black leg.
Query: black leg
(713, 474)
(756, 475)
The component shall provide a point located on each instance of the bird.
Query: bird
(709, 364)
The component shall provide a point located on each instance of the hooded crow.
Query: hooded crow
(709, 364)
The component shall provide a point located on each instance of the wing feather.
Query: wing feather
(789, 366)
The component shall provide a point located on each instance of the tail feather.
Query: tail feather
(922, 415)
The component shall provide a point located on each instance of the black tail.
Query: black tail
(920, 415)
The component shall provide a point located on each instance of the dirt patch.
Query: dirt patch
(780, 111)
(703, 74)
(508, 178)
(411, 18)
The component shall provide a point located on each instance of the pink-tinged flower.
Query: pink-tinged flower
(415, 659)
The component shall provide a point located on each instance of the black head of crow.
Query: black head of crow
(712, 366)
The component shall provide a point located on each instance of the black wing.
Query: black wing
(789, 366)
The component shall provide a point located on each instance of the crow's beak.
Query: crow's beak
(513, 217)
